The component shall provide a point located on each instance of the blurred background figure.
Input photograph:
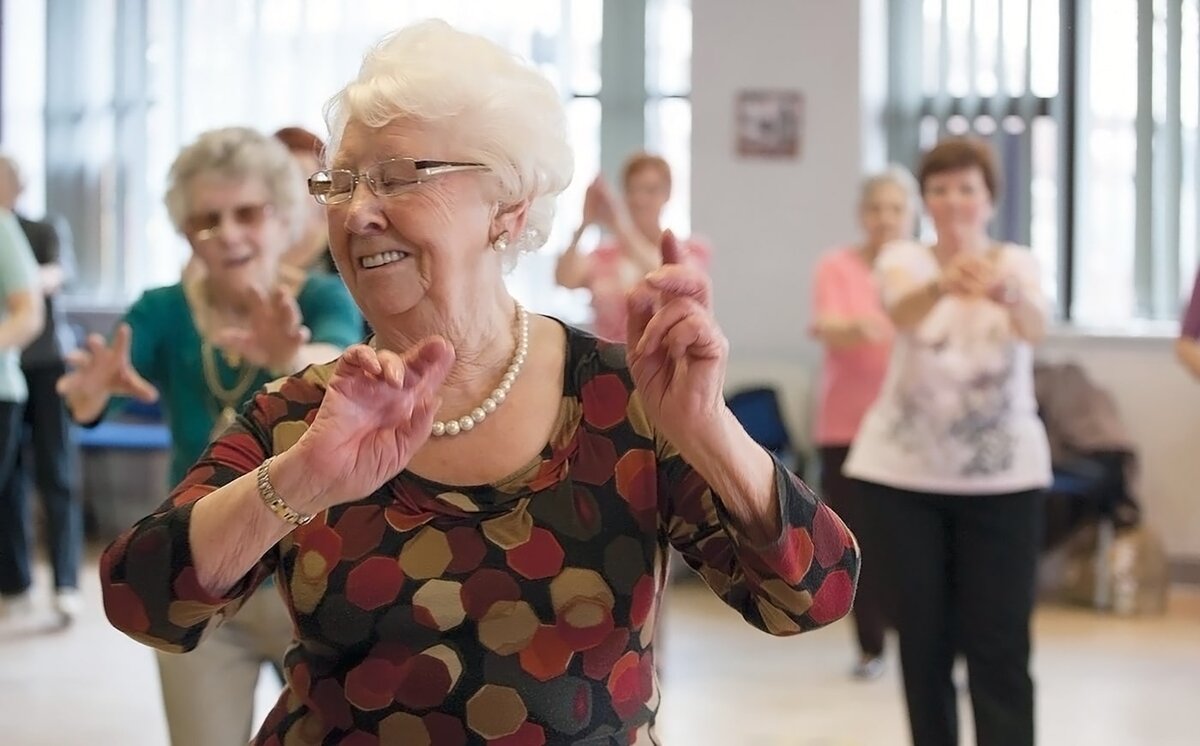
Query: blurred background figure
(22, 317)
(240, 318)
(311, 251)
(633, 231)
(856, 334)
(953, 458)
(46, 421)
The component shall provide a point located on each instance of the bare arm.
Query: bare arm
(572, 268)
(842, 333)
(25, 320)
(232, 528)
(1187, 350)
(914, 305)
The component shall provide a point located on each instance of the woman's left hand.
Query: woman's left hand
(273, 334)
(676, 352)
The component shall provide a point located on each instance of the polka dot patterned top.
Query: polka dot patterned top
(515, 613)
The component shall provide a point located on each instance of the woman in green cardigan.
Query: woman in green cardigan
(238, 319)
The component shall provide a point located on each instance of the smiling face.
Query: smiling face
(959, 203)
(427, 246)
(235, 231)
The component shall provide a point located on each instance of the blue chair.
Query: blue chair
(758, 410)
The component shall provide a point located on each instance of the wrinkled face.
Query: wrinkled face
(646, 194)
(886, 214)
(426, 246)
(958, 202)
(235, 230)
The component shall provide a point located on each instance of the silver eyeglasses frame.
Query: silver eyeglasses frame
(411, 173)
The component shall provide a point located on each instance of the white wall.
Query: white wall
(770, 220)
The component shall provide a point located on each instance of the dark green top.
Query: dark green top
(166, 350)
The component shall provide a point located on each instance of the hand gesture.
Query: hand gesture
(273, 334)
(377, 413)
(676, 352)
(100, 372)
(599, 204)
(969, 275)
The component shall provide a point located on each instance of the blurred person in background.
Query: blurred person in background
(22, 318)
(954, 459)
(311, 251)
(240, 318)
(633, 231)
(856, 333)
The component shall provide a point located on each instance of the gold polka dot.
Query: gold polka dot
(443, 600)
(508, 627)
(495, 711)
(404, 728)
(285, 434)
(510, 530)
(573, 583)
(460, 501)
(427, 555)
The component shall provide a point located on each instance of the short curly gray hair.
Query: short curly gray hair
(508, 114)
(238, 153)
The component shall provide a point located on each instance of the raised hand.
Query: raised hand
(273, 334)
(676, 352)
(99, 372)
(377, 413)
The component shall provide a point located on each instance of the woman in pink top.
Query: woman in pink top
(850, 322)
(630, 249)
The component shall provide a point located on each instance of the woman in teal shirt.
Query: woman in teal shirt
(238, 319)
(21, 319)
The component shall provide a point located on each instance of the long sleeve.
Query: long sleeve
(147, 574)
(804, 579)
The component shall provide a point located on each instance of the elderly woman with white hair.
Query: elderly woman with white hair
(239, 319)
(469, 516)
(852, 326)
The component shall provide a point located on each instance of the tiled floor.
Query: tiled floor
(1102, 682)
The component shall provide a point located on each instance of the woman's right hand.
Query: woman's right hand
(377, 413)
(101, 372)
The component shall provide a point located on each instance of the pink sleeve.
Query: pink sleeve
(826, 295)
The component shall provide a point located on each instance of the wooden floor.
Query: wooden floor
(1101, 681)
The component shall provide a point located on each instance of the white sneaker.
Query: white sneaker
(868, 669)
(68, 603)
(16, 606)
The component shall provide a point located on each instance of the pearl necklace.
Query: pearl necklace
(500, 393)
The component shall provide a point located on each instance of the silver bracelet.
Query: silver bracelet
(274, 501)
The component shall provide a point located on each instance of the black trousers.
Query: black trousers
(845, 497)
(14, 539)
(961, 572)
(45, 418)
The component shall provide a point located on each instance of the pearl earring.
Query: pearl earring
(501, 242)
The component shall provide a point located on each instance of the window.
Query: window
(1092, 107)
(158, 74)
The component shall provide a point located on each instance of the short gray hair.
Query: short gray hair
(239, 153)
(893, 175)
(509, 115)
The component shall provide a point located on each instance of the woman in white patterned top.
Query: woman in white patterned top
(954, 457)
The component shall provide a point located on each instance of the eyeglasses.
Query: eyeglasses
(207, 225)
(385, 179)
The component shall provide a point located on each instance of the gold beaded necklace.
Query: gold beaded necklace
(227, 398)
